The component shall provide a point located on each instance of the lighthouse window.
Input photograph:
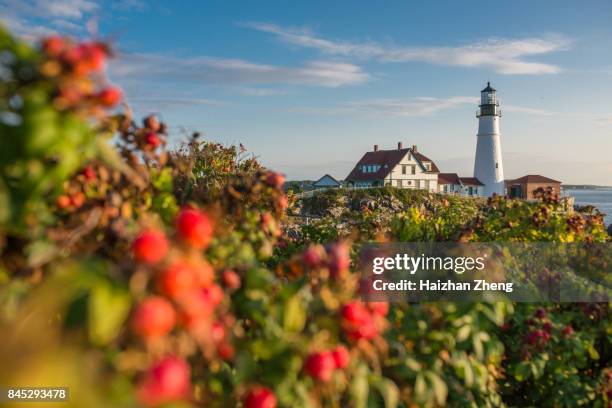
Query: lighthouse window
(497, 165)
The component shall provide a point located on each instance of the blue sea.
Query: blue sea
(602, 199)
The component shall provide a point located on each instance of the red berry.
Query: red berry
(153, 317)
(95, 55)
(196, 313)
(77, 199)
(355, 313)
(63, 201)
(212, 294)
(366, 330)
(532, 338)
(194, 227)
(357, 322)
(177, 279)
(110, 97)
(150, 247)
(165, 381)
(341, 357)
(313, 256)
(151, 123)
(283, 202)
(152, 140)
(540, 313)
(182, 277)
(339, 259)
(267, 221)
(73, 55)
(89, 173)
(69, 96)
(379, 308)
(231, 279)
(260, 397)
(320, 366)
(53, 45)
(217, 332)
(568, 330)
(226, 351)
(275, 179)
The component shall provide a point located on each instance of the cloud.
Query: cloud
(34, 19)
(504, 56)
(603, 119)
(527, 110)
(248, 91)
(409, 107)
(129, 5)
(205, 69)
(161, 102)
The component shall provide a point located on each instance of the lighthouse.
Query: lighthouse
(488, 166)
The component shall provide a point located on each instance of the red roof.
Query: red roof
(532, 178)
(387, 159)
(470, 181)
(448, 178)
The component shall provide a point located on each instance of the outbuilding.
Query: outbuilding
(326, 181)
(524, 187)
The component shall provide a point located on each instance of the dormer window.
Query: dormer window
(370, 168)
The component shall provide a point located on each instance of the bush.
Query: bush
(136, 275)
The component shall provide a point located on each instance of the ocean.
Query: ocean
(602, 199)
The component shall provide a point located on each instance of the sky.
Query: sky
(309, 86)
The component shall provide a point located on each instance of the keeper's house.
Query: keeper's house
(401, 167)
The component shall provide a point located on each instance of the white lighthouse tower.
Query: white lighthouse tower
(488, 166)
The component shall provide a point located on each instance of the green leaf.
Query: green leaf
(413, 364)
(420, 387)
(294, 315)
(107, 310)
(258, 278)
(592, 352)
(440, 388)
(359, 388)
(388, 390)
(522, 371)
(537, 368)
(464, 332)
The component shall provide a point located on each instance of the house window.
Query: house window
(428, 166)
(404, 170)
(413, 169)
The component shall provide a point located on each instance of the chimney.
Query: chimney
(399, 145)
(414, 149)
(375, 148)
